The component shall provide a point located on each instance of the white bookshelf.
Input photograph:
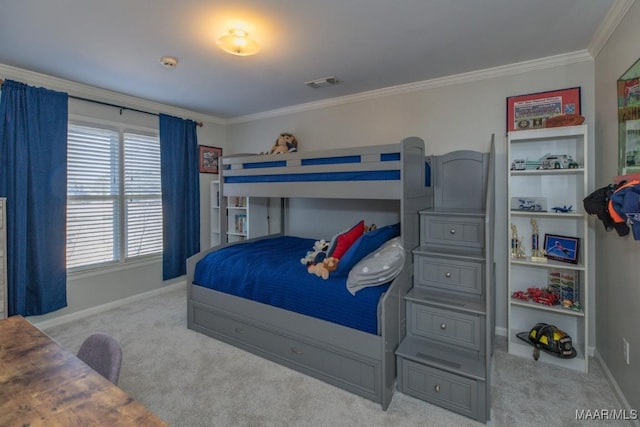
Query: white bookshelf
(216, 214)
(247, 217)
(559, 187)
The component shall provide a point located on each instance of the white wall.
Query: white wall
(618, 258)
(451, 117)
(91, 289)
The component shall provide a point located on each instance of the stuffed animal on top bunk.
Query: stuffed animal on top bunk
(319, 262)
(285, 143)
(317, 254)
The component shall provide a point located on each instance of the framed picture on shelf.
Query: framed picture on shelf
(209, 159)
(532, 110)
(561, 248)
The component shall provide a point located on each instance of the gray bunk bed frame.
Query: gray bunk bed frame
(353, 360)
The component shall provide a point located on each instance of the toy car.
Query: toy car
(557, 161)
(529, 205)
(518, 165)
(521, 295)
(542, 296)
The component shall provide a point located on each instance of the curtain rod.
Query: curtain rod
(121, 107)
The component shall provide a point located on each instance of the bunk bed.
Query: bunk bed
(356, 359)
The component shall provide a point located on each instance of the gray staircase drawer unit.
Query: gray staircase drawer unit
(448, 390)
(457, 231)
(449, 274)
(445, 325)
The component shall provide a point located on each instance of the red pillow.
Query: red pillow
(343, 241)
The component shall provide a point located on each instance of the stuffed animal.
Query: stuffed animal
(323, 268)
(285, 143)
(317, 254)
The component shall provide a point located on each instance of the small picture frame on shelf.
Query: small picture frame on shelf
(209, 159)
(561, 248)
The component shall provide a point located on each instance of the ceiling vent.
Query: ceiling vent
(327, 81)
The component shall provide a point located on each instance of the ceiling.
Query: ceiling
(366, 44)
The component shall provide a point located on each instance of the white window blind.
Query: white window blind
(143, 193)
(114, 209)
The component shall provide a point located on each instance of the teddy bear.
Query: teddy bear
(285, 143)
(322, 269)
(317, 254)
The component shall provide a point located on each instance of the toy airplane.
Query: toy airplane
(563, 209)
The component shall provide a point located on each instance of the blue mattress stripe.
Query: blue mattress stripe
(385, 157)
(331, 160)
(389, 175)
(260, 165)
(427, 174)
(389, 157)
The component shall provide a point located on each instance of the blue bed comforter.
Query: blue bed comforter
(269, 271)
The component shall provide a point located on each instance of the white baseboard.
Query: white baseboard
(614, 384)
(50, 323)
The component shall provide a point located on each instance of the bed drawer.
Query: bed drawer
(449, 274)
(446, 326)
(454, 392)
(340, 368)
(457, 231)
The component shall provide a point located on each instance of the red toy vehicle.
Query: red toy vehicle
(521, 295)
(543, 296)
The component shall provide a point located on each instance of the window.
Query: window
(114, 207)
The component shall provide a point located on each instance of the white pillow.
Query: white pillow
(379, 267)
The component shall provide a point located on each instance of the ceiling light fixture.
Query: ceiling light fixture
(320, 83)
(238, 42)
(169, 62)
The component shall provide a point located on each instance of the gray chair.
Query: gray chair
(104, 354)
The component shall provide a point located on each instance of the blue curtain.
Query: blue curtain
(180, 194)
(33, 178)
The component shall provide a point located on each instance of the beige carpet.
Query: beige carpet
(191, 380)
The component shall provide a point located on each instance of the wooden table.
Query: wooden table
(43, 385)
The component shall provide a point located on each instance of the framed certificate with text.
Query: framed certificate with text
(532, 110)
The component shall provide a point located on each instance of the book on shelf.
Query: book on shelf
(240, 223)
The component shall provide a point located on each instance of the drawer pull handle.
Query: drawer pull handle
(452, 231)
(240, 331)
(296, 351)
(436, 388)
(443, 326)
(447, 274)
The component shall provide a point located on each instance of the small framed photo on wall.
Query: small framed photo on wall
(209, 159)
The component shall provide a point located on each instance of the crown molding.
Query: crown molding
(615, 14)
(473, 76)
(98, 94)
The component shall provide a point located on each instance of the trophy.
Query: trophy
(536, 254)
(517, 251)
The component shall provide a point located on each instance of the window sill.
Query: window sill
(81, 273)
